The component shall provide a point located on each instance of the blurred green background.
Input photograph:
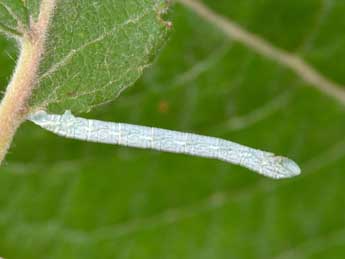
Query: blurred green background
(62, 198)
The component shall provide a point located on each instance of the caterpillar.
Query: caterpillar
(262, 162)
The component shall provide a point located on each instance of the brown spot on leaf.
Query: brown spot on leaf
(163, 106)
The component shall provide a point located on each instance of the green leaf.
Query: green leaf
(33, 7)
(95, 50)
(18, 11)
(14, 16)
(62, 198)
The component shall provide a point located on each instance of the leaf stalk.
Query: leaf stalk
(14, 106)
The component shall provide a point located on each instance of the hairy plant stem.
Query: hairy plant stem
(14, 106)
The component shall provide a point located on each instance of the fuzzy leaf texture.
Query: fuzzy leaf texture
(14, 16)
(62, 198)
(95, 50)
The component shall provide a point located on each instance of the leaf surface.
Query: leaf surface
(95, 50)
(14, 16)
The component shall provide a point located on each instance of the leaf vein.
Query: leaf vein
(65, 60)
(295, 63)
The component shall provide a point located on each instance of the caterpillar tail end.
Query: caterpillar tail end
(38, 117)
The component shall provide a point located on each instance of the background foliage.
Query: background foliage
(61, 198)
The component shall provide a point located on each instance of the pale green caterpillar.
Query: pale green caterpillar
(69, 126)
